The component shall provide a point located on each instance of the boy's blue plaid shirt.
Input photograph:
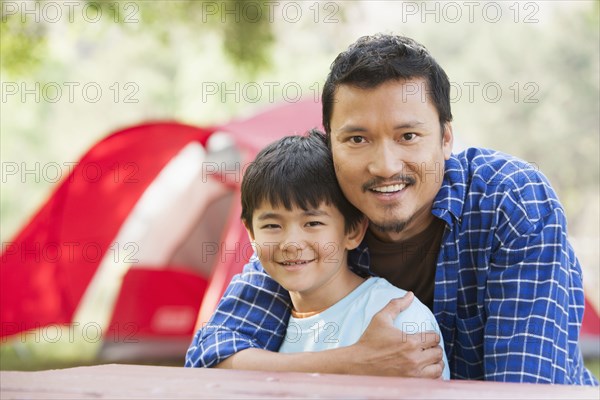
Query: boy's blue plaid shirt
(508, 287)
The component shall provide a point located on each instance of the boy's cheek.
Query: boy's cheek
(259, 250)
(264, 251)
(331, 252)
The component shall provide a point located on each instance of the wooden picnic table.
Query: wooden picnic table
(152, 382)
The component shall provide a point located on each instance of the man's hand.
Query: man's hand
(383, 349)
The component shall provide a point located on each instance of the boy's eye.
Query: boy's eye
(270, 226)
(314, 223)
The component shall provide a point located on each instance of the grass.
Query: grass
(593, 364)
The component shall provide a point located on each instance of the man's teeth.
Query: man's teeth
(389, 188)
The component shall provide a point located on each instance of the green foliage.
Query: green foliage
(23, 44)
(247, 41)
(245, 31)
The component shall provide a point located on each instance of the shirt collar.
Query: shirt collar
(449, 202)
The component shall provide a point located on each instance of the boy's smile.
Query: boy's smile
(293, 265)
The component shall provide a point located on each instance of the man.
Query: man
(479, 237)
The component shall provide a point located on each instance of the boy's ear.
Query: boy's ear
(356, 235)
(248, 230)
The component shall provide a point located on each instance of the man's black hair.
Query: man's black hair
(373, 60)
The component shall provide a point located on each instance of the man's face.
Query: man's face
(389, 154)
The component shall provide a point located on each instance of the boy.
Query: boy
(301, 227)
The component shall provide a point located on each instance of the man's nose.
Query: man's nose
(385, 161)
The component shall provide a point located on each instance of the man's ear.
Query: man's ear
(356, 235)
(447, 140)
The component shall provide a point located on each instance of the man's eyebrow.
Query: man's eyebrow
(351, 129)
(409, 124)
(357, 128)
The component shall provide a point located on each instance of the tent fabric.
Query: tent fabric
(256, 132)
(171, 313)
(590, 325)
(47, 267)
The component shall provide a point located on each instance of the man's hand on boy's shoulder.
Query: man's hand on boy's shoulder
(383, 349)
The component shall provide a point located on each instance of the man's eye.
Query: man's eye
(357, 139)
(409, 136)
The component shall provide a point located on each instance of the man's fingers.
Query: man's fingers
(432, 355)
(428, 339)
(396, 306)
(433, 371)
(433, 361)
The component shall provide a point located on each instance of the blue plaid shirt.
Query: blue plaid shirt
(508, 286)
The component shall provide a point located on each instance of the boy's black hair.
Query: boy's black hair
(374, 60)
(295, 171)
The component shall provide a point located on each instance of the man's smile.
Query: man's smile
(391, 185)
(388, 188)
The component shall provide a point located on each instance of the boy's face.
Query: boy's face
(304, 251)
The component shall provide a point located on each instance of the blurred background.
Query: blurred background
(525, 80)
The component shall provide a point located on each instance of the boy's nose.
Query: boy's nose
(292, 242)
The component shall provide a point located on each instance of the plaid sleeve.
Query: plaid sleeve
(253, 313)
(534, 298)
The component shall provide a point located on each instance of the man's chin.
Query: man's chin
(389, 226)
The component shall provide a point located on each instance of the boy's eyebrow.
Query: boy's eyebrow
(316, 213)
(267, 215)
(308, 213)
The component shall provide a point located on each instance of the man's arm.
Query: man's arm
(382, 350)
(534, 297)
(250, 322)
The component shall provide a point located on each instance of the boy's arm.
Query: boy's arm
(251, 319)
(253, 313)
(382, 350)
